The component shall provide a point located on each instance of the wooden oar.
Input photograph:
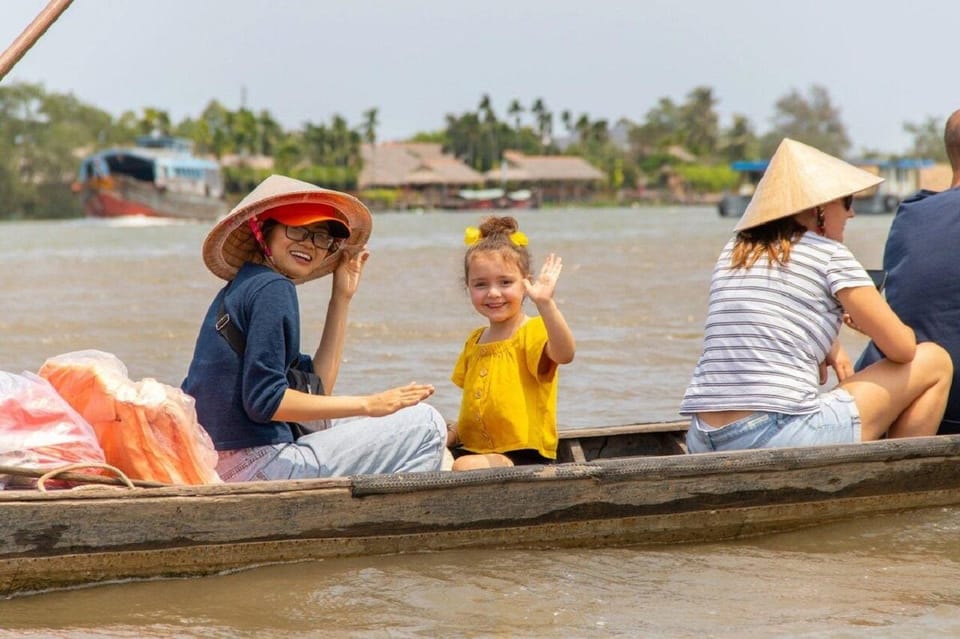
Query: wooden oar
(67, 473)
(31, 34)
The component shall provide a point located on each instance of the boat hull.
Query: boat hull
(77, 537)
(121, 197)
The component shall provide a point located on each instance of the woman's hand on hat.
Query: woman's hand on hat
(390, 401)
(346, 278)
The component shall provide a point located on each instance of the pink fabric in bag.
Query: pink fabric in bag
(39, 430)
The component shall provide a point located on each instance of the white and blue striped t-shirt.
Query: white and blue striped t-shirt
(769, 327)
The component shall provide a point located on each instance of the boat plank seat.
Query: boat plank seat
(586, 444)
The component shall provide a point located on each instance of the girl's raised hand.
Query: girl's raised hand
(346, 278)
(541, 289)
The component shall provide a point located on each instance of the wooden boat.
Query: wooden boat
(494, 198)
(902, 178)
(159, 177)
(734, 203)
(616, 485)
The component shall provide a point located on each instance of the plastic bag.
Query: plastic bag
(38, 428)
(147, 429)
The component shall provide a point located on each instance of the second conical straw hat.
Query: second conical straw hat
(798, 178)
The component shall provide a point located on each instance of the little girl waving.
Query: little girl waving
(508, 370)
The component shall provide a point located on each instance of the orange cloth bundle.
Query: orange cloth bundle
(147, 429)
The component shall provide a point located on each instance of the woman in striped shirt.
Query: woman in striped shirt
(780, 290)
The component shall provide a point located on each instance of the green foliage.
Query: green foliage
(701, 178)
(479, 138)
(243, 179)
(434, 137)
(339, 178)
(380, 198)
(43, 136)
(39, 133)
(811, 119)
(927, 138)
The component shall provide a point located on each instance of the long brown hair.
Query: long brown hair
(774, 239)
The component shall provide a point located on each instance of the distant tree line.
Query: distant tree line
(43, 136)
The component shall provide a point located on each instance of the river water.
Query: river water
(633, 289)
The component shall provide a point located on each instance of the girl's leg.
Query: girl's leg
(902, 400)
(475, 462)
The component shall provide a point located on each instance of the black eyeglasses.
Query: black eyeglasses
(321, 239)
(848, 202)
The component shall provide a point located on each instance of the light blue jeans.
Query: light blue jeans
(412, 439)
(837, 422)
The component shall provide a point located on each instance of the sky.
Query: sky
(883, 62)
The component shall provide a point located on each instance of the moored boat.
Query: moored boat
(616, 485)
(159, 177)
(901, 179)
(734, 203)
(496, 198)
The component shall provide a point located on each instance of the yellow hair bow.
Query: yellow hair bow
(518, 238)
(471, 235)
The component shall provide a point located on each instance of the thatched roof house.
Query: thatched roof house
(413, 165)
(521, 168)
(257, 162)
(554, 177)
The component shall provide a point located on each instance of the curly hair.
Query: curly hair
(495, 235)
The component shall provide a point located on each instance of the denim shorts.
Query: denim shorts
(837, 422)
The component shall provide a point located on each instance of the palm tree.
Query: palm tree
(340, 141)
(544, 122)
(243, 131)
(485, 108)
(515, 110)
(699, 122)
(155, 121)
(218, 122)
(740, 142)
(370, 125)
(567, 118)
(582, 127)
(489, 143)
(269, 133)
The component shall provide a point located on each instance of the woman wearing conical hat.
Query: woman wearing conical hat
(780, 290)
(284, 233)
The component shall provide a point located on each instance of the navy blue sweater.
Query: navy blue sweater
(237, 396)
(923, 281)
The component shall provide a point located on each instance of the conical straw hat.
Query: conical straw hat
(801, 177)
(231, 242)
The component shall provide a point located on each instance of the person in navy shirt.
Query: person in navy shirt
(284, 233)
(923, 270)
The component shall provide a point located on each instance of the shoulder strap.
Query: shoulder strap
(228, 330)
(234, 336)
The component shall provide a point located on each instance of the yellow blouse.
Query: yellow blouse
(507, 403)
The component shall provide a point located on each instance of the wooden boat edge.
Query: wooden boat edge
(651, 500)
